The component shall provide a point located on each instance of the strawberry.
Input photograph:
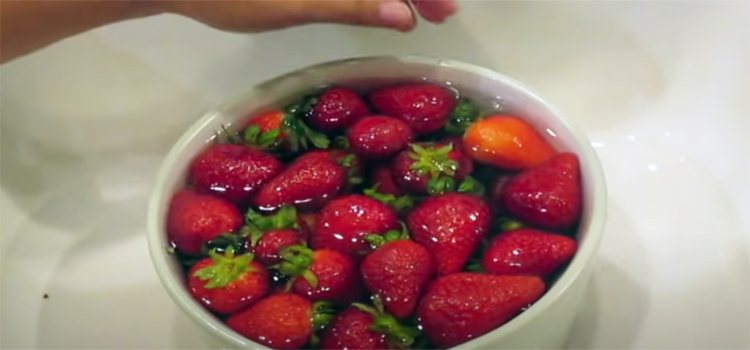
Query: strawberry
(345, 221)
(528, 252)
(268, 247)
(382, 177)
(227, 283)
(431, 168)
(194, 219)
(397, 272)
(547, 196)
(334, 109)
(307, 222)
(378, 137)
(278, 128)
(463, 306)
(309, 182)
(322, 274)
(400, 204)
(281, 321)
(346, 159)
(364, 327)
(233, 172)
(451, 226)
(425, 107)
(506, 142)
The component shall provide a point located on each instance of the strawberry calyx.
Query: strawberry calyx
(399, 203)
(295, 262)
(397, 334)
(472, 186)
(323, 312)
(300, 135)
(222, 242)
(257, 224)
(377, 241)
(508, 224)
(226, 268)
(263, 140)
(433, 161)
(349, 162)
(462, 117)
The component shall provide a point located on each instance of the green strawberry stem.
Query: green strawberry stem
(300, 134)
(440, 185)
(257, 224)
(433, 161)
(400, 203)
(322, 314)
(472, 186)
(349, 162)
(226, 268)
(296, 261)
(507, 224)
(377, 241)
(396, 333)
(266, 140)
(465, 114)
(223, 242)
(341, 142)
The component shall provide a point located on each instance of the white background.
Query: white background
(662, 87)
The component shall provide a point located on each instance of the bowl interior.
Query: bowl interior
(491, 89)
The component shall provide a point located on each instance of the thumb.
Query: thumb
(395, 14)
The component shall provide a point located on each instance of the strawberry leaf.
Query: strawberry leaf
(397, 334)
(440, 185)
(462, 117)
(399, 203)
(377, 241)
(226, 268)
(433, 161)
(284, 218)
(472, 186)
(323, 313)
(296, 262)
(341, 142)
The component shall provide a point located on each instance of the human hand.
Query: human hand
(264, 15)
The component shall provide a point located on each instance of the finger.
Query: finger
(394, 14)
(436, 11)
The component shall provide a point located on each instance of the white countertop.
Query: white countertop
(662, 87)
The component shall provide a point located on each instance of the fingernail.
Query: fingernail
(396, 14)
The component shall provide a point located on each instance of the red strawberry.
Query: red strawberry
(528, 252)
(282, 128)
(364, 327)
(233, 172)
(346, 159)
(322, 274)
(379, 137)
(424, 106)
(451, 226)
(345, 221)
(547, 196)
(281, 321)
(382, 176)
(463, 306)
(397, 272)
(431, 168)
(335, 109)
(227, 283)
(309, 182)
(195, 219)
(307, 222)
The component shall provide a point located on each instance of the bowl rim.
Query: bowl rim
(584, 257)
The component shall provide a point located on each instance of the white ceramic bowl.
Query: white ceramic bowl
(545, 325)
